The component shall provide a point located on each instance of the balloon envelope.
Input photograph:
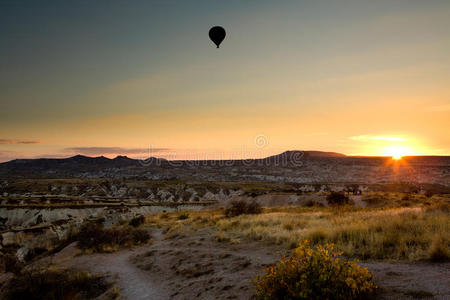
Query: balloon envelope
(217, 35)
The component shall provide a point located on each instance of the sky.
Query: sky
(142, 78)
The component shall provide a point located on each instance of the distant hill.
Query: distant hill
(75, 164)
(317, 154)
(80, 164)
(316, 164)
(297, 155)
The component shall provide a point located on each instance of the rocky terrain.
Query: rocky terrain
(44, 201)
(40, 213)
(198, 262)
(290, 166)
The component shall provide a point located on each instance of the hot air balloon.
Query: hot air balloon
(217, 35)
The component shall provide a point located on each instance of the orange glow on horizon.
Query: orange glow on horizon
(397, 152)
(394, 146)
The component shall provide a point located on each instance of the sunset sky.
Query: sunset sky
(117, 77)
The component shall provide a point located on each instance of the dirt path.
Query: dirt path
(412, 280)
(197, 266)
(134, 282)
(194, 265)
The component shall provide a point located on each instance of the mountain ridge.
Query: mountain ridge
(125, 159)
(292, 165)
(85, 158)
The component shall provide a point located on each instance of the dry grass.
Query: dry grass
(417, 232)
(379, 199)
(439, 249)
(397, 233)
(199, 218)
(93, 237)
(54, 283)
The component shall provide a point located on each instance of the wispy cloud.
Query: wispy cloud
(114, 150)
(17, 142)
(365, 138)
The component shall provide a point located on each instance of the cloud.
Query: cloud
(51, 155)
(114, 150)
(365, 138)
(17, 142)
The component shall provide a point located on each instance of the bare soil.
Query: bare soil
(134, 282)
(412, 280)
(198, 265)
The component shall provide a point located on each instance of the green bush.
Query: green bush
(239, 207)
(337, 198)
(254, 208)
(99, 239)
(429, 194)
(309, 203)
(315, 273)
(137, 221)
(53, 283)
(183, 216)
(9, 263)
(375, 200)
(93, 236)
(140, 236)
(236, 208)
(439, 250)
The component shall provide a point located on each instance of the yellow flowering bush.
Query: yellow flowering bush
(315, 273)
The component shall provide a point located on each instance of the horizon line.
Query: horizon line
(341, 155)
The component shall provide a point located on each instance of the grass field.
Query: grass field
(401, 233)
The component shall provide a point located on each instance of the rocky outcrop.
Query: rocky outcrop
(31, 229)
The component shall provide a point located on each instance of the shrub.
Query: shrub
(375, 200)
(236, 208)
(183, 216)
(240, 207)
(439, 250)
(140, 236)
(164, 216)
(406, 198)
(288, 226)
(53, 283)
(439, 207)
(429, 194)
(337, 198)
(99, 239)
(309, 203)
(34, 252)
(91, 235)
(315, 273)
(137, 221)
(254, 208)
(10, 263)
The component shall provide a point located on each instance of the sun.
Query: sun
(396, 152)
(396, 156)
